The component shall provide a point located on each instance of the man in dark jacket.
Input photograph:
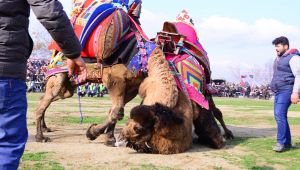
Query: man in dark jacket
(286, 85)
(15, 48)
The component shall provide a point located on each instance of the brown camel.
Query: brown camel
(160, 87)
(168, 109)
(121, 83)
(163, 124)
(122, 86)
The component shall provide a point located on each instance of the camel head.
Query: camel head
(144, 122)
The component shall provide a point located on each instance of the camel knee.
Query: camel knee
(116, 113)
(217, 113)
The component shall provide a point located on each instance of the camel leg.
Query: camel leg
(116, 89)
(68, 92)
(44, 126)
(206, 127)
(40, 111)
(130, 94)
(120, 96)
(56, 85)
(219, 116)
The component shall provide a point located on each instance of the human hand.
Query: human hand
(295, 98)
(77, 66)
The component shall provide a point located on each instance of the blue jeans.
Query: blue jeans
(13, 127)
(281, 105)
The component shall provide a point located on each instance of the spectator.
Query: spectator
(236, 90)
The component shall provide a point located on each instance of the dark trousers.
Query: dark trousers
(281, 105)
(13, 128)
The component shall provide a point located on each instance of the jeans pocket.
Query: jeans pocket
(4, 87)
(284, 98)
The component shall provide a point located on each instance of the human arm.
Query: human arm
(52, 16)
(295, 66)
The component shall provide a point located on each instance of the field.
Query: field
(251, 121)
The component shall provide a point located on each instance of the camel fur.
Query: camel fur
(149, 131)
(165, 106)
(121, 83)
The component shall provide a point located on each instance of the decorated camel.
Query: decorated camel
(163, 123)
(108, 34)
(119, 66)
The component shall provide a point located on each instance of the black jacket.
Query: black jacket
(15, 42)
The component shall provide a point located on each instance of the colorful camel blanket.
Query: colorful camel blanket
(190, 77)
(138, 63)
(57, 64)
(100, 25)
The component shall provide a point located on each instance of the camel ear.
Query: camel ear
(166, 116)
(142, 114)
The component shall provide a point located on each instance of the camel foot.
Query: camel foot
(110, 140)
(47, 130)
(228, 135)
(89, 134)
(42, 139)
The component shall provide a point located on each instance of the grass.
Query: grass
(90, 120)
(261, 156)
(256, 154)
(38, 161)
(90, 105)
(34, 156)
(257, 120)
(250, 104)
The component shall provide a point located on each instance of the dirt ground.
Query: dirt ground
(70, 148)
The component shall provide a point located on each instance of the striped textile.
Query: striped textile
(190, 77)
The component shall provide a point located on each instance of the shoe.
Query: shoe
(288, 146)
(281, 148)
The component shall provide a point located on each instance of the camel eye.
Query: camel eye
(138, 129)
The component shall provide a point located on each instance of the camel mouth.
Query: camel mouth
(121, 143)
(141, 147)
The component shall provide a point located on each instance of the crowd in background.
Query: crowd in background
(35, 79)
(246, 90)
(36, 83)
(92, 90)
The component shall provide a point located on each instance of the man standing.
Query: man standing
(15, 48)
(286, 85)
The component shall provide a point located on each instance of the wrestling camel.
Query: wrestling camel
(157, 92)
(109, 68)
(121, 83)
(163, 123)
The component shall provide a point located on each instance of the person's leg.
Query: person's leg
(13, 128)
(281, 105)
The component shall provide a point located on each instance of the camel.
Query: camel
(160, 87)
(122, 85)
(165, 117)
(163, 123)
(121, 82)
(153, 92)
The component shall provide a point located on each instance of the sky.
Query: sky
(237, 34)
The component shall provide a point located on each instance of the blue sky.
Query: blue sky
(246, 10)
(237, 34)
